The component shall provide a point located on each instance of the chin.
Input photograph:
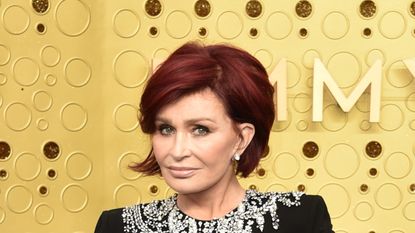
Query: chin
(186, 186)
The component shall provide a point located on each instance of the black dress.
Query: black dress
(292, 212)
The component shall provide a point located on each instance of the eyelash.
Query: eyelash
(164, 127)
(195, 130)
(201, 127)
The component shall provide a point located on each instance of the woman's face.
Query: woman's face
(194, 143)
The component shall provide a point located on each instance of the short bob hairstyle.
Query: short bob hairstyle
(237, 78)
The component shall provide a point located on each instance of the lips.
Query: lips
(181, 172)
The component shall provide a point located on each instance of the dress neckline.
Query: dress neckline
(229, 214)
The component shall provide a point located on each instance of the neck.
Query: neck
(213, 203)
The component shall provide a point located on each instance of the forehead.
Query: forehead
(203, 104)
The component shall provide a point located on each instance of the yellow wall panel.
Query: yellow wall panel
(71, 73)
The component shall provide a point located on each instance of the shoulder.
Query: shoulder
(311, 215)
(132, 218)
(299, 212)
(110, 221)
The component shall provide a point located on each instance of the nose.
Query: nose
(180, 146)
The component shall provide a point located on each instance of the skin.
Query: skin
(194, 146)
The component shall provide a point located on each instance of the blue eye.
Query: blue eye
(166, 130)
(200, 130)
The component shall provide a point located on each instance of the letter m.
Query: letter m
(373, 77)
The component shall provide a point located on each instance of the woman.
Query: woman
(209, 111)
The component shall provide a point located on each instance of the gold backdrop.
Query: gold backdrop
(71, 73)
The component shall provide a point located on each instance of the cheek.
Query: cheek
(159, 147)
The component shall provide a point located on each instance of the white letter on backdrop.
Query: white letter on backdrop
(373, 77)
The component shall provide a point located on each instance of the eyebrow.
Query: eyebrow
(188, 121)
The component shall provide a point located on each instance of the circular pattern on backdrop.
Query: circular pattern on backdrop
(398, 165)
(16, 20)
(50, 55)
(130, 68)
(412, 125)
(126, 194)
(1, 101)
(333, 111)
(335, 25)
(19, 199)
(345, 69)
(388, 196)
(161, 54)
(4, 54)
(346, 156)
(69, 23)
(126, 160)
(337, 199)
(284, 22)
(363, 211)
(2, 215)
(126, 23)
(27, 166)
(26, 71)
(264, 56)
(43, 214)
(302, 102)
(229, 25)
(391, 111)
(74, 198)
(73, 117)
(176, 18)
(3, 79)
(408, 211)
(410, 102)
(286, 165)
(50, 80)
(125, 117)
(365, 125)
(398, 75)
(18, 116)
(42, 101)
(78, 166)
(309, 57)
(302, 125)
(77, 72)
(392, 25)
(42, 124)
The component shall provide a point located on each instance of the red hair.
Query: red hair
(237, 78)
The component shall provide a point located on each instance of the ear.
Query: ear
(246, 134)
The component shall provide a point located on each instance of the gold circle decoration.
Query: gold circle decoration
(202, 8)
(367, 9)
(303, 9)
(153, 8)
(253, 8)
(40, 6)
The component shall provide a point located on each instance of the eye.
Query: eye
(166, 130)
(200, 130)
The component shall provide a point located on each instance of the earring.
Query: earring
(236, 157)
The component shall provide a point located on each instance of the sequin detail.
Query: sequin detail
(163, 216)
